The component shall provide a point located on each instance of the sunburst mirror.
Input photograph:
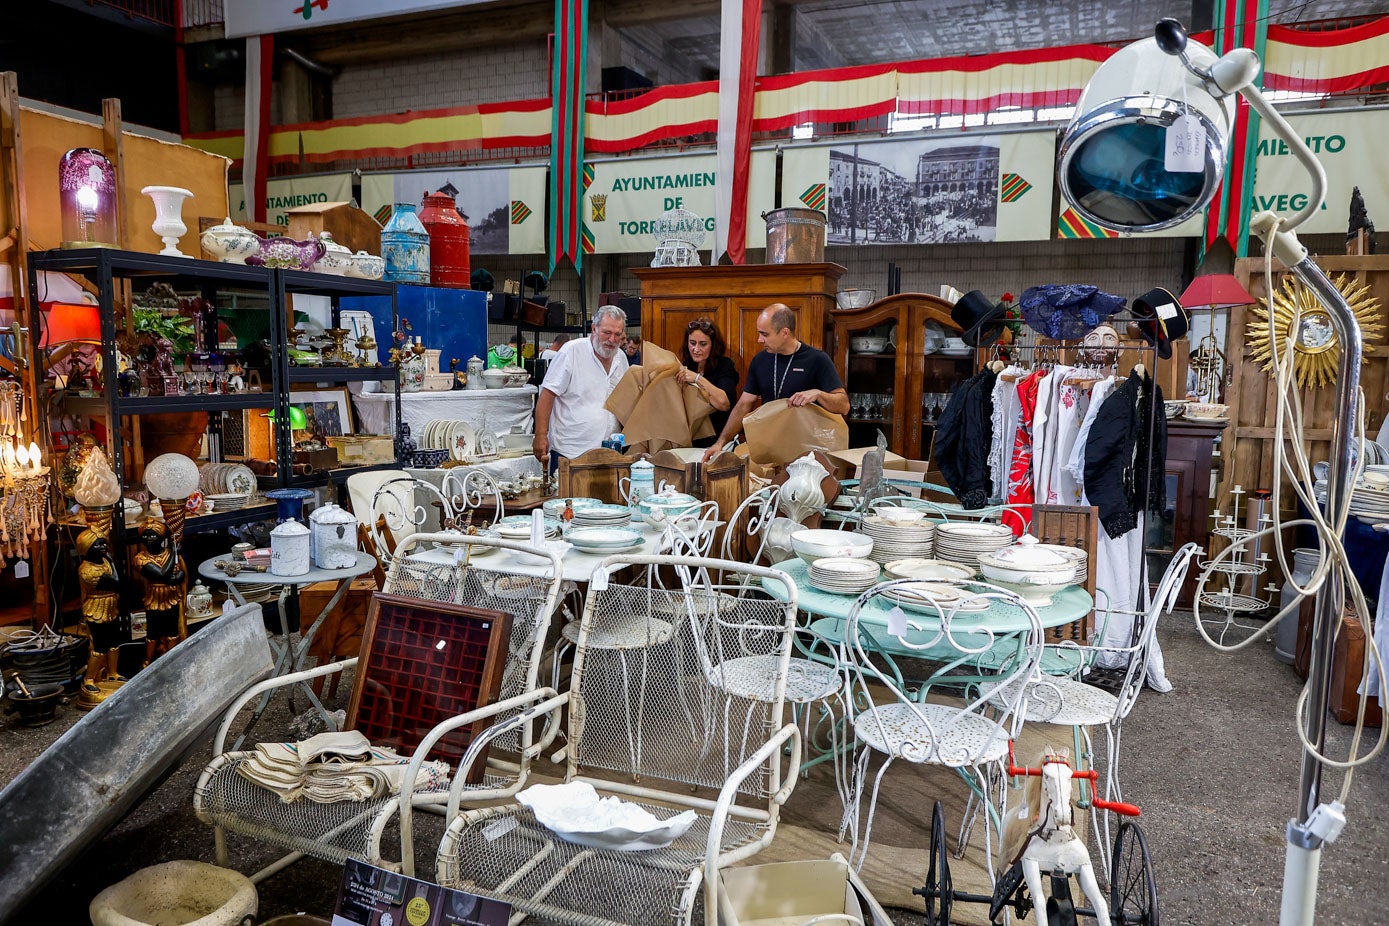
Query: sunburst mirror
(1316, 350)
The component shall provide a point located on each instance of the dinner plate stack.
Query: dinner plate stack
(932, 597)
(601, 515)
(959, 542)
(603, 540)
(840, 575)
(228, 501)
(226, 478)
(1081, 558)
(554, 508)
(518, 527)
(927, 570)
(897, 540)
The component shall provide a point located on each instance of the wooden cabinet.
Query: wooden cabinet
(901, 389)
(1186, 518)
(672, 297)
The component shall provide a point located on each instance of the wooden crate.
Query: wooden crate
(350, 227)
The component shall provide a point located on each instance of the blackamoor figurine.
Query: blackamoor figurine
(101, 616)
(164, 576)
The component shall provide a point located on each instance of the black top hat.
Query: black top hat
(980, 320)
(1160, 319)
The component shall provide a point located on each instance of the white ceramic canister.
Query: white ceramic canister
(640, 484)
(289, 549)
(332, 537)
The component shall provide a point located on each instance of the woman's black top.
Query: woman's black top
(724, 375)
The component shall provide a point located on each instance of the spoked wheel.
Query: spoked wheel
(937, 892)
(1133, 895)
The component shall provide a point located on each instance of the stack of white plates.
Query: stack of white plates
(554, 508)
(228, 501)
(933, 597)
(962, 543)
(223, 478)
(603, 539)
(841, 575)
(518, 527)
(601, 515)
(1081, 558)
(927, 570)
(897, 540)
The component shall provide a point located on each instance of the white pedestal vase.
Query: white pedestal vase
(168, 216)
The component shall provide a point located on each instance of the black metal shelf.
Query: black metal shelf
(341, 374)
(339, 474)
(155, 404)
(327, 284)
(220, 519)
(91, 262)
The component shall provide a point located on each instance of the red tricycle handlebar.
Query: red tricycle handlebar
(1020, 771)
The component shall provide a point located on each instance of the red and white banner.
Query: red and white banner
(260, 65)
(1314, 62)
(740, 38)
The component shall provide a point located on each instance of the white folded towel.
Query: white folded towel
(335, 767)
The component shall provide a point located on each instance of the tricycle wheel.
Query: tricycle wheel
(1133, 895)
(937, 892)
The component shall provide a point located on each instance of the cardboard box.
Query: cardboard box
(350, 227)
(909, 471)
(358, 449)
(848, 462)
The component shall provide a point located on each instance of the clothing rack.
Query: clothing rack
(1034, 345)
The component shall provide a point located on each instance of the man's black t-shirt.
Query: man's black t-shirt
(772, 376)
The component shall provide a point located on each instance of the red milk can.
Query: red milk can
(448, 241)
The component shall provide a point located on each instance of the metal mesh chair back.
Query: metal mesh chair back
(745, 534)
(952, 636)
(651, 690)
(456, 571)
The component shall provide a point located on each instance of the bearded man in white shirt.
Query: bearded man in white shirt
(569, 413)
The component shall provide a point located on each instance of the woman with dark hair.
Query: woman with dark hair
(709, 370)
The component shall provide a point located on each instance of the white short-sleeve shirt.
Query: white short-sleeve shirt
(579, 422)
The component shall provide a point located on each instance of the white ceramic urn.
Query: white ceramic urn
(332, 537)
(801, 495)
(289, 549)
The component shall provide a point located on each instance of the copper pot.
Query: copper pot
(795, 236)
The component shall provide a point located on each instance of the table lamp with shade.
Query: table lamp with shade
(97, 490)
(172, 478)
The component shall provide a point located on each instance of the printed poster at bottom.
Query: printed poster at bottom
(372, 896)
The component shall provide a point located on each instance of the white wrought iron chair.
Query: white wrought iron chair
(945, 724)
(1092, 695)
(471, 496)
(453, 571)
(634, 737)
(814, 677)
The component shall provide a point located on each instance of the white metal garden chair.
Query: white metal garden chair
(455, 572)
(1091, 696)
(471, 496)
(960, 730)
(814, 682)
(634, 736)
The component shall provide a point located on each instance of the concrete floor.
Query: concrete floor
(1214, 765)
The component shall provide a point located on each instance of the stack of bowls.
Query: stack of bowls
(811, 545)
(1035, 571)
(600, 515)
(899, 533)
(839, 575)
(603, 540)
(963, 543)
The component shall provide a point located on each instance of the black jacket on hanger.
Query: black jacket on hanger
(963, 438)
(1126, 455)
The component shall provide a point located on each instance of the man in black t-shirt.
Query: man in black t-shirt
(784, 369)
